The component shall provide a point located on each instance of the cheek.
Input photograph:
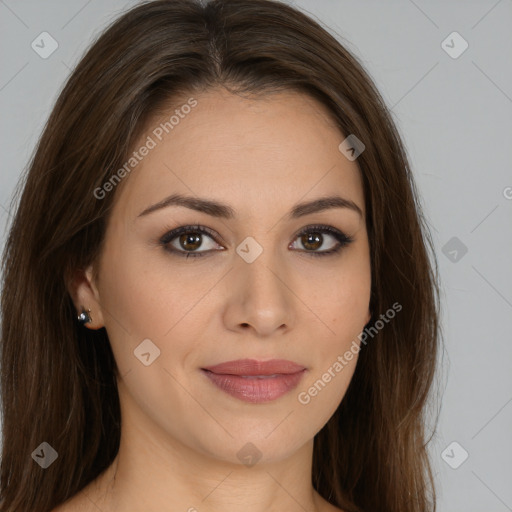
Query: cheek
(155, 301)
(147, 299)
(134, 307)
(321, 394)
(342, 301)
(342, 308)
(348, 307)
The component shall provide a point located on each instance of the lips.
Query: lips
(255, 381)
(251, 367)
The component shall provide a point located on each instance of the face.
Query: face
(184, 287)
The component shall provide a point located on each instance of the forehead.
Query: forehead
(248, 152)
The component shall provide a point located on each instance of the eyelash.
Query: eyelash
(343, 240)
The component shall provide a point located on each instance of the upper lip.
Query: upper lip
(252, 367)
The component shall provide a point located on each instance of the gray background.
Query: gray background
(455, 116)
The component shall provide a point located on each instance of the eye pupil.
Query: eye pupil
(312, 241)
(193, 239)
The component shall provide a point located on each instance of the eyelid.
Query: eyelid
(172, 233)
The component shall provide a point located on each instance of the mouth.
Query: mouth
(255, 381)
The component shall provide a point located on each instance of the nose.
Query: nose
(260, 296)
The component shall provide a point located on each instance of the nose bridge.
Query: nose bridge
(259, 263)
(260, 283)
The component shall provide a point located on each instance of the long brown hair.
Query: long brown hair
(58, 380)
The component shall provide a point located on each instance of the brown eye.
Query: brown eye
(186, 241)
(190, 242)
(312, 238)
(312, 241)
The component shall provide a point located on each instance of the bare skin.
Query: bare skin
(181, 435)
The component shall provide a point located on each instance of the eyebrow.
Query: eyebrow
(224, 211)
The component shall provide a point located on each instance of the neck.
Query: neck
(155, 472)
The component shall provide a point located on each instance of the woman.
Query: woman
(217, 291)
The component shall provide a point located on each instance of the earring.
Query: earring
(84, 317)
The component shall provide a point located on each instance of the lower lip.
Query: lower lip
(256, 389)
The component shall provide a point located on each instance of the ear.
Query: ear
(83, 291)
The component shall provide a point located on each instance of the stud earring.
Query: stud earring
(84, 317)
